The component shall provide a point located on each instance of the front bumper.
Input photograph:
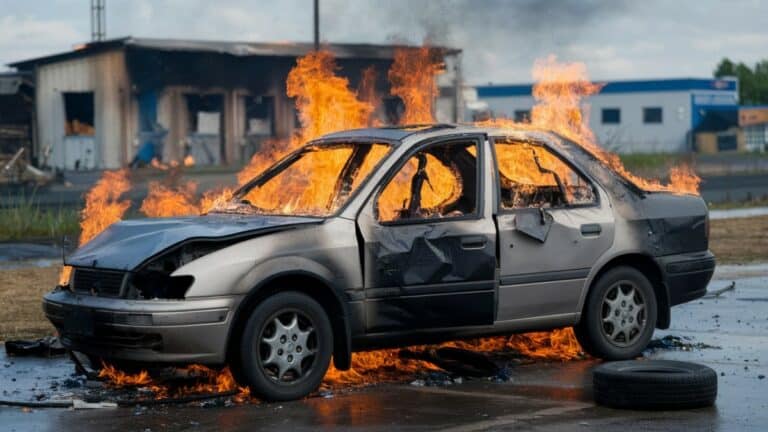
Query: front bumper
(168, 331)
(687, 275)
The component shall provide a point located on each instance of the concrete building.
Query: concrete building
(647, 116)
(98, 104)
(753, 120)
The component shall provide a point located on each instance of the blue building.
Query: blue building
(643, 116)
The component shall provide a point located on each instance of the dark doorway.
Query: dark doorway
(206, 128)
(79, 114)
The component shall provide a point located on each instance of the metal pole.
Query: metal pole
(317, 25)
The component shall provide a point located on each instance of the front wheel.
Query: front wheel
(619, 315)
(286, 347)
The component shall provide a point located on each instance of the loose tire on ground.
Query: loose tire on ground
(654, 385)
(286, 347)
(619, 315)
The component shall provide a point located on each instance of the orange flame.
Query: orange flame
(102, 204)
(210, 381)
(413, 78)
(324, 100)
(559, 91)
(387, 365)
(325, 103)
(164, 201)
(64, 274)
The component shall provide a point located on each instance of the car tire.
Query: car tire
(619, 315)
(654, 385)
(286, 347)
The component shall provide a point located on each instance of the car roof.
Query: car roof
(398, 133)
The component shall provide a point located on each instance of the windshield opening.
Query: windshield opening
(315, 181)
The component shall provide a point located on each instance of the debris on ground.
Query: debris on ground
(48, 346)
(457, 361)
(718, 292)
(670, 342)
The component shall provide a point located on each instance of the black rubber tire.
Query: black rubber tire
(261, 385)
(654, 385)
(588, 331)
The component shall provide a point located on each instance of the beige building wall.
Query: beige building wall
(105, 75)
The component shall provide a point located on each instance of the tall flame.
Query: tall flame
(413, 79)
(103, 206)
(164, 201)
(324, 99)
(325, 103)
(560, 91)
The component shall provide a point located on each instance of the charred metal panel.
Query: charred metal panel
(418, 269)
(429, 254)
(127, 244)
(428, 311)
(534, 223)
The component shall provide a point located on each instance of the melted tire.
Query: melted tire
(654, 385)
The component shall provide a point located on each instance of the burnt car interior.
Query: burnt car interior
(319, 180)
(531, 176)
(437, 182)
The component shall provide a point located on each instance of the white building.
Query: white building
(648, 116)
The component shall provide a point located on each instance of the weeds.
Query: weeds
(21, 217)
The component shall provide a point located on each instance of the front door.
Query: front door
(553, 226)
(429, 246)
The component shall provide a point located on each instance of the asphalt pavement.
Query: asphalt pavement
(728, 332)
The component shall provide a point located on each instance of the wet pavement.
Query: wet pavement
(728, 332)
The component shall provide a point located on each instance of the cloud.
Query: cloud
(501, 39)
(26, 37)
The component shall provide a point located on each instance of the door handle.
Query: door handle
(591, 229)
(473, 242)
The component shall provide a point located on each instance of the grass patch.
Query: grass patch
(23, 218)
(757, 202)
(652, 163)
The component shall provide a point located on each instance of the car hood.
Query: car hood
(127, 244)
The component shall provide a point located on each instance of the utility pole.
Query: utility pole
(98, 20)
(317, 25)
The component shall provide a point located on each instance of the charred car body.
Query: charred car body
(381, 237)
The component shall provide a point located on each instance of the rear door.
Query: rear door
(429, 241)
(553, 226)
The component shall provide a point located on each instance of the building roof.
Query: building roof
(634, 86)
(239, 49)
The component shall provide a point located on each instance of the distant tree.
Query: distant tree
(753, 82)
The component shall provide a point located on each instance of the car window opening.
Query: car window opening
(316, 181)
(438, 182)
(531, 176)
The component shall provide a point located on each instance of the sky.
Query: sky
(501, 39)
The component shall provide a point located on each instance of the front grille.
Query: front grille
(112, 340)
(103, 283)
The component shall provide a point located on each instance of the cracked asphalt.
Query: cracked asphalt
(540, 396)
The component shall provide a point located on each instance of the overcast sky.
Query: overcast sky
(500, 38)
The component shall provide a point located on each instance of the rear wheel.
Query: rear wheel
(286, 347)
(619, 316)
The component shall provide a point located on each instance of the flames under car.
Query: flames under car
(385, 237)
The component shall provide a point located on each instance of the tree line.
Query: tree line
(753, 81)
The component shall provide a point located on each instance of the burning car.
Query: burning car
(384, 237)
